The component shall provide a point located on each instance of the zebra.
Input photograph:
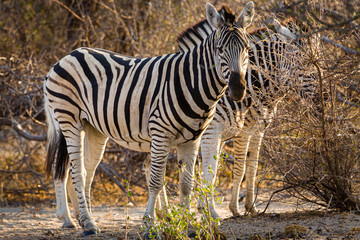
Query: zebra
(144, 104)
(275, 58)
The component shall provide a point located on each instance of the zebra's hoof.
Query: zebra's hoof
(87, 233)
(68, 226)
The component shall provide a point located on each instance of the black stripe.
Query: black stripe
(66, 76)
(144, 92)
(205, 64)
(180, 96)
(159, 80)
(165, 105)
(65, 112)
(174, 111)
(129, 99)
(90, 77)
(109, 78)
(127, 67)
(63, 97)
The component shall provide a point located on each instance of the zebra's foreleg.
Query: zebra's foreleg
(187, 154)
(161, 205)
(211, 147)
(75, 142)
(251, 169)
(241, 145)
(159, 156)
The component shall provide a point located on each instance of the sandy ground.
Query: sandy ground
(279, 222)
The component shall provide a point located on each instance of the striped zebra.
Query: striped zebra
(144, 104)
(275, 60)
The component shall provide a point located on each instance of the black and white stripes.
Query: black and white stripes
(145, 104)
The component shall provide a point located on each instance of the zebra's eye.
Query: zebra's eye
(220, 50)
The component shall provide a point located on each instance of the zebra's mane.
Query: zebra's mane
(196, 33)
(199, 30)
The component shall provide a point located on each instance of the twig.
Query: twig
(69, 10)
(335, 14)
(348, 50)
(18, 172)
(283, 189)
(347, 102)
(109, 173)
(328, 205)
(139, 235)
(17, 127)
(232, 232)
(350, 86)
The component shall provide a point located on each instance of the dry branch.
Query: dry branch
(344, 101)
(17, 127)
(348, 50)
(110, 174)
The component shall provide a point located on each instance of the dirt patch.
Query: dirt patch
(283, 221)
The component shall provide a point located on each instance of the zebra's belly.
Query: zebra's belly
(230, 132)
(134, 145)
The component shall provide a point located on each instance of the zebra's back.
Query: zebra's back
(116, 94)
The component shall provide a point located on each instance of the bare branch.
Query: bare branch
(17, 127)
(69, 10)
(347, 102)
(18, 172)
(110, 175)
(348, 50)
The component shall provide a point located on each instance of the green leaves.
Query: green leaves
(179, 222)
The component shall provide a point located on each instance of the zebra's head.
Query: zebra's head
(231, 43)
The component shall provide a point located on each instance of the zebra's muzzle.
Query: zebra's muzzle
(237, 86)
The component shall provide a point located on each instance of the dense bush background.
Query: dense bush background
(311, 150)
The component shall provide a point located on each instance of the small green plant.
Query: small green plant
(205, 226)
(179, 223)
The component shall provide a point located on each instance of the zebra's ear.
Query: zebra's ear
(283, 30)
(246, 15)
(277, 25)
(213, 17)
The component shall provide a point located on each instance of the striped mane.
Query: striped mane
(198, 32)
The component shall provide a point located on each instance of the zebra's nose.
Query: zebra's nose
(237, 86)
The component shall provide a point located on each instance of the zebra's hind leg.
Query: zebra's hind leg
(73, 198)
(241, 145)
(211, 147)
(251, 169)
(161, 205)
(95, 143)
(62, 211)
(75, 146)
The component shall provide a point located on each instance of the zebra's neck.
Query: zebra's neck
(197, 47)
(194, 36)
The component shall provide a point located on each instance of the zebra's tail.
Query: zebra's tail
(56, 147)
